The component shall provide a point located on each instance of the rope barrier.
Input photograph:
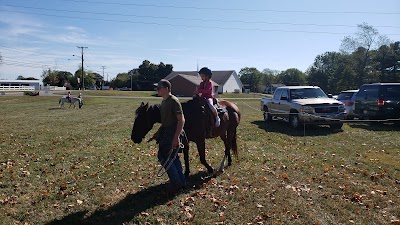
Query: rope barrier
(327, 118)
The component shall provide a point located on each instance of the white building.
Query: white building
(20, 85)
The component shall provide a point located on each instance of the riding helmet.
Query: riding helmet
(205, 71)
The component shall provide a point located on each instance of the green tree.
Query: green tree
(250, 77)
(269, 76)
(121, 80)
(88, 78)
(292, 76)
(147, 74)
(50, 77)
(387, 62)
(333, 72)
(57, 78)
(366, 39)
(20, 77)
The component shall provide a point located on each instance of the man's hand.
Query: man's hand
(175, 143)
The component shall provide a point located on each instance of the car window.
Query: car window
(277, 94)
(285, 94)
(345, 96)
(307, 93)
(391, 92)
(369, 91)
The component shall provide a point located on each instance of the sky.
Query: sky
(223, 35)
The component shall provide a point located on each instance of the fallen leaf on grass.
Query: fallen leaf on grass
(63, 187)
(145, 214)
(221, 216)
(189, 199)
(188, 216)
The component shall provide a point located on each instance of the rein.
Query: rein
(167, 164)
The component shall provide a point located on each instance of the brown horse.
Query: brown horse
(196, 126)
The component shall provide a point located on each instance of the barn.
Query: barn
(227, 81)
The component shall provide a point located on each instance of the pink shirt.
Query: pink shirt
(206, 90)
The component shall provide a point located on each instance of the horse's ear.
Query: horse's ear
(142, 104)
(147, 105)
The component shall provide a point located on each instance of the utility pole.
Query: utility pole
(82, 88)
(103, 72)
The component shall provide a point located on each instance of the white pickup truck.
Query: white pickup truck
(302, 105)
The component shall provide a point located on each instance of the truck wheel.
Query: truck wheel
(267, 115)
(336, 126)
(294, 121)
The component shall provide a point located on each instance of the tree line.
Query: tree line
(367, 57)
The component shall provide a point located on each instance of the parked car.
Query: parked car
(303, 105)
(379, 101)
(348, 98)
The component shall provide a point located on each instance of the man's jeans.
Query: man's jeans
(175, 172)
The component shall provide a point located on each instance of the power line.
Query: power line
(231, 9)
(24, 51)
(194, 19)
(189, 26)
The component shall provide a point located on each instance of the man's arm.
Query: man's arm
(181, 122)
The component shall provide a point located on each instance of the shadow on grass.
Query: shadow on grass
(280, 126)
(132, 205)
(375, 126)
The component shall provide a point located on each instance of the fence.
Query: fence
(17, 88)
(54, 88)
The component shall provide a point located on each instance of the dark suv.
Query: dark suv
(378, 101)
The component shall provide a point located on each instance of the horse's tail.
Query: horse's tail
(234, 117)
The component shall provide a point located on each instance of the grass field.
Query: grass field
(70, 166)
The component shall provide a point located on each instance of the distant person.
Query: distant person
(69, 96)
(168, 135)
(206, 90)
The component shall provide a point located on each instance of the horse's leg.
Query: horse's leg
(228, 145)
(225, 139)
(186, 158)
(201, 148)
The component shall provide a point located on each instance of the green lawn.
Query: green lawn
(70, 166)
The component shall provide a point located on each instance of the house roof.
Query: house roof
(219, 77)
(193, 79)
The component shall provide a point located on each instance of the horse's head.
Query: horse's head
(146, 116)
